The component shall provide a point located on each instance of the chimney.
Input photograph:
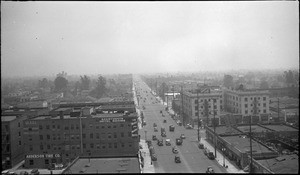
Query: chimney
(61, 114)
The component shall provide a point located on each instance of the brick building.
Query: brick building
(59, 139)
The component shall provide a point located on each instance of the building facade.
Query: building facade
(51, 140)
(12, 144)
(242, 102)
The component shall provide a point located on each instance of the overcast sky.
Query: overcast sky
(44, 38)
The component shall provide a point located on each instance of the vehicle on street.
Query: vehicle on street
(174, 150)
(155, 129)
(201, 146)
(182, 136)
(144, 123)
(35, 171)
(178, 141)
(154, 125)
(210, 155)
(168, 142)
(163, 134)
(171, 128)
(160, 142)
(153, 157)
(210, 170)
(179, 123)
(189, 126)
(177, 159)
(161, 111)
(206, 151)
(165, 121)
(154, 137)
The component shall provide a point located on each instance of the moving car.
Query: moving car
(177, 159)
(160, 143)
(153, 157)
(155, 129)
(210, 170)
(171, 128)
(205, 151)
(165, 121)
(168, 142)
(182, 136)
(174, 150)
(163, 134)
(178, 141)
(154, 137)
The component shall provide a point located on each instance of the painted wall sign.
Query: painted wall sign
(111, 120)
(42, 156)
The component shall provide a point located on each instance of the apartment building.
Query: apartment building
(11, 143)
(194, 104)
(59, 139)
(242, 102)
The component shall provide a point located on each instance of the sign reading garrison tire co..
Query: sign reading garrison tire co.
(39, 156)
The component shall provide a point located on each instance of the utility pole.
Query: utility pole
(250, 134)
(80, 123)
(182, 104)
(215, 128)
(198, 112)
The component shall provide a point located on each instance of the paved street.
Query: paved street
(193, 159)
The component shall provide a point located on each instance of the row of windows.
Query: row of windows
(264, 111)
(85, 146)
(31, 161)
(264, 105)
(83, 126)
(201, 100)
(77, 136)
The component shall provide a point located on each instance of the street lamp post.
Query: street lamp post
(223, 150)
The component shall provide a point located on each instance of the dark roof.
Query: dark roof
(283, 164)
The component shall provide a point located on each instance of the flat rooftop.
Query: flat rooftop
(105, 165)
(280, 128)
(243, 144)
(225, 130)
(254, 128)
(8, 118)
(285, 164)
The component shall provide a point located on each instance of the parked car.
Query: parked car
(171, 128)
(206, 151)
(210, 155)
(182, 136)
(155, 129)
(168, 142)
(189, 126)
(160, 143)
(201, 146)
(178, 141)
(163, 134)
(153, 157)
(154, 125)
(177, 159)
(174, 150)
(210, 170)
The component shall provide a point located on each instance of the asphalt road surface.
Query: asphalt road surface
(192, 158)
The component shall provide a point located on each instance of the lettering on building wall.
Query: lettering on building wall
(103, 120)
(30, 122)
(42, 156)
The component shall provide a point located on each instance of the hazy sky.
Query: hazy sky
(45, 38)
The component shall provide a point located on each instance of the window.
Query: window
(66, 127)
(30, 147)
(48, 137)
(58, 136)
(196, 107)
(53, 126)
(115, 135)
(246, 105)
(72, 137)
(31, 162)
(129, 145)
(97, 127)
(83, 126)
(84, 146)
(121, 125)
(19, 124)
(108, 126)
(83, 136)
(196, 101)
(103, 127)
(115, 145)
(40, 127)
(196, 113)
(91, 145)
(54, 136)
(114, 126)
(19, 133)
(41, 147)
(264, 104)
(109, 145)
(122, 134)
(30, 129)
(98, 146)
(265, 111)
(47, 127)
(258, 98)
(91, 135)
(246, 99)
(103, 146)
(122, 144)
(215, 100)
(77, 136)
(46, 161)
(53, 160)
(77, 126)
(72, 127)
(109, 135)
(20, 143)
(41, 137)
(264, 98)
(129, 134)
(58, 126)
(97, 135)
(48, 147)
(246, 111)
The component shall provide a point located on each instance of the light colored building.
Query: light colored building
(242, 102)
(190, 105)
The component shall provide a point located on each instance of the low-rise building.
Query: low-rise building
(12, 143)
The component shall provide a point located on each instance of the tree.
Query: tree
(60, 83)
(43, 83)
(163, 89)
(85, 82)
(289, 77)
(228, 81)
(100, 88)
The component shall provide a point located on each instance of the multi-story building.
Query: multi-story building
(194, 104)
(12, 145)
(59, 139)
(241, 103)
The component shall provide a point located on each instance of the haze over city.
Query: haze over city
(44, 38)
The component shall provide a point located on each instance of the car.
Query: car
(153, 157)
(189, 126)
(206, 151)
(163, 134)
(160, 143)
(210, 170)
(210, 155)
(174, 150)
(201, 146)
(154, 137)
(165, 121)
(178, 141)
(154, 125)
(161, 111)
(35, 171)
(177, 159)
(182, 136)
(171, 128)
(168, 142)
(155, 129)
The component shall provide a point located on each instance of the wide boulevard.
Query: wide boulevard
(192, 158)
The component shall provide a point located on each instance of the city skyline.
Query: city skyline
(45, 38)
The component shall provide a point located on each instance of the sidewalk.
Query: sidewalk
(231, 167)
(148, 167)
